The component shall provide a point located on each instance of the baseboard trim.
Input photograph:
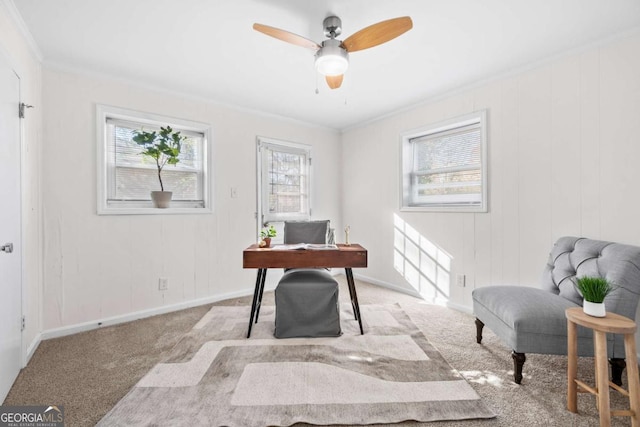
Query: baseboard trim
(32, 349)
(460, 307)
(388, 285)
(115, 320)
(414, 293)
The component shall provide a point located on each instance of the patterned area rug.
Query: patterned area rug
(215, 376)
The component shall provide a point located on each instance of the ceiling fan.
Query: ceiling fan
(332, 56)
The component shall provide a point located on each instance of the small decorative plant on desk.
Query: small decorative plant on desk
(265, 236)
(594, 290)
(163, 147)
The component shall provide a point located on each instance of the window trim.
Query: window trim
(407, 161)
(104, 112)
(261, 141)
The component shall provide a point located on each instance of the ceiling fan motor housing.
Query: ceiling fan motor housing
(332, 26)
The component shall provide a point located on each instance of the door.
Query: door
(10, 230)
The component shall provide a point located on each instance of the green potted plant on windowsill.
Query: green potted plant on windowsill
(164, 148)
(594, 290)
(266, 234)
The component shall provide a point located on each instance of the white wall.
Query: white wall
(98, 267)
(27, 66)
(564, 151)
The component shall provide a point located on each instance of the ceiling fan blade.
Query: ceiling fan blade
(334, 82)
(286, 36)
(377, 34)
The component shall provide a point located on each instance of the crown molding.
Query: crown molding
(81, 71)
(516, 71)
(16, 17)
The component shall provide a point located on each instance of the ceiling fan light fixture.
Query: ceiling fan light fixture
(332, 59)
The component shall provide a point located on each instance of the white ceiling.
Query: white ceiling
(208, 49)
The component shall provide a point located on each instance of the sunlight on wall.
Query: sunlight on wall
(424, 265)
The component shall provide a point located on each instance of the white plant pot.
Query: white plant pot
(161, 199)
(595, 309)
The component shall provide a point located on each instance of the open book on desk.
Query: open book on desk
(309, 246)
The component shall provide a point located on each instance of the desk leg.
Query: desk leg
(264, 276)
(350, 286)
(353, 306)
(354, 297)
(256, 292)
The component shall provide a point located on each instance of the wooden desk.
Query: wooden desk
(347, 257)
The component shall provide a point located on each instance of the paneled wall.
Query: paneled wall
(97, 267)
(564, 150)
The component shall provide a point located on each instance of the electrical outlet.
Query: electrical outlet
(163, 284)
(461, 280)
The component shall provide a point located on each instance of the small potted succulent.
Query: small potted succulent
(594, 290)
(265, 236)
(164, 147)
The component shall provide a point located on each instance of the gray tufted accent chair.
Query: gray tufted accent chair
(532, 320)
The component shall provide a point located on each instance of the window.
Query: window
(283, 181)
(444, 166)
(126, 178)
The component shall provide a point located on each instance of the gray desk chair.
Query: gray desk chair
(306, 298)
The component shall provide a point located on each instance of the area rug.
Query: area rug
(217, 377)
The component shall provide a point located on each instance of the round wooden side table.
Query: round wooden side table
(614, 324)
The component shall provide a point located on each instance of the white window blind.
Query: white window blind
(444, 166)
(133, 176)
(447, 167)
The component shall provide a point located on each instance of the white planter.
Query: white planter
(595, 309)
(161, 199)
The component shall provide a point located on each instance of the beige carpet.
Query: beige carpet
(90, 372)
(217, 377)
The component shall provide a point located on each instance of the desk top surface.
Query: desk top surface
(351, 256)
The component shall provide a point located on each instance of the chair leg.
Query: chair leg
(479, 326)
(518, 362)
(617, 368)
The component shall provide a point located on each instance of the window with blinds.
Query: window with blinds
(127, 177)
(444, 166)
(284, 180)
(134, 175)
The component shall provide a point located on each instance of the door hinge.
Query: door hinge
(24, 323)
(21, 108)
